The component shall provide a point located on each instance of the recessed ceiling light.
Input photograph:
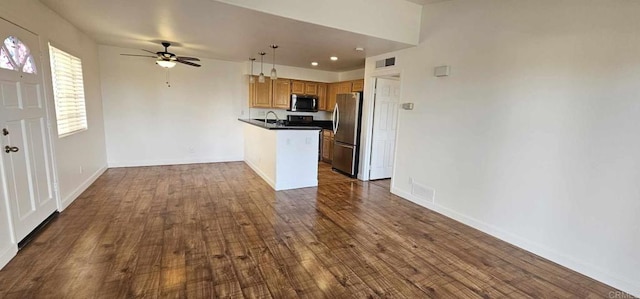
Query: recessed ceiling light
(314, 63)
(333, 58)
(359, 49)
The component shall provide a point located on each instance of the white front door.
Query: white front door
(27, 180)
(385, 119)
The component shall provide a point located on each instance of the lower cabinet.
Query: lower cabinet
(327, 146)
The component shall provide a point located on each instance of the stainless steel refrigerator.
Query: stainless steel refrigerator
(346, 129)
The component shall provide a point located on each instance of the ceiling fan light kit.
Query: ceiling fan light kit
(166, 63)
(167, 59)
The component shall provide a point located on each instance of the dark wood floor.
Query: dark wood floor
(217, 230)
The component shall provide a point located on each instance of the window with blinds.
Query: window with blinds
(68, 92)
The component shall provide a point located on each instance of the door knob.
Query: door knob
(11, 149)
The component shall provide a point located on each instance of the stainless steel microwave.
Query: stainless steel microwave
(303, 103)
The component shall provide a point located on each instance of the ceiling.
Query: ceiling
(211, 29)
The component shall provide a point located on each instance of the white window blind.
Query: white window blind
(68, 91)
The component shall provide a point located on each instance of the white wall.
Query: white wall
(193, 121)
(388, 19)
(80, 158)
(534, 136)
(351, 75)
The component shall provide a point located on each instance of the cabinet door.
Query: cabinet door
(322, 96)
(344, 87)
(357, 85)
(311, 88)
(326, 149)
(327, 145)
(281, 93)
(332, 95)
(297, 87)
(263, 93)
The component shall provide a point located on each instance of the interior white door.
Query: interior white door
(385, 119)
(24, 141)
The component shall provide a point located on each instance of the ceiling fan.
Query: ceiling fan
(167, 59)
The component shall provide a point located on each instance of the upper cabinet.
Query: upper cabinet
(332, 94)
(281, 93)
(357, 85)
(260, 94)
(277, 93)
(270, 94)
(344, 87)
(304, 87)
(297, 87)
(322, 96)
(311, 88)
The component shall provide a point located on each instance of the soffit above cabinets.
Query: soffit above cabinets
(216, 30)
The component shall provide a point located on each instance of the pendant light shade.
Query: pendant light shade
(261, 77)
(274, 73)
(251, 78)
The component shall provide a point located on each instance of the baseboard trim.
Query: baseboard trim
(118, 164)
(261, 174)
(540, 250)
(7, 255)
(65, 202)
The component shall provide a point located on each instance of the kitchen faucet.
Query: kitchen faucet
(267, 115)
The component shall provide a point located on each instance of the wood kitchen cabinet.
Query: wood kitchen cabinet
(260, 94)
(281, 93)
(277, 93)
(322, 96)
(297, 87)
(333, 91)
(304, 87)
(311, 88)
(344, 87)
(357, 85)
(332, 94)
(327, 146)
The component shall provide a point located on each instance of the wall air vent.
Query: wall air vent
(386, 62)
(423, 192)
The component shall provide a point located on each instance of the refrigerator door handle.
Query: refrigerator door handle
(336, 113)
(333, 121)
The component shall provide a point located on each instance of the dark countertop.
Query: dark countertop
(271, 125)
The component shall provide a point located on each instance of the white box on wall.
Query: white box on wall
(442, 71)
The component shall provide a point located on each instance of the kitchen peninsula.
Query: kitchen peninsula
(286, 157)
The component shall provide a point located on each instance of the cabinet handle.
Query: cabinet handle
(11, 149)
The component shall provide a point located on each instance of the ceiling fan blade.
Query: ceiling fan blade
(188, 63)
(149, 51)
(138, 55)
(188, 58)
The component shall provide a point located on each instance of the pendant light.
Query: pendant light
(251, 78)
(261, 77)
(274, 73)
